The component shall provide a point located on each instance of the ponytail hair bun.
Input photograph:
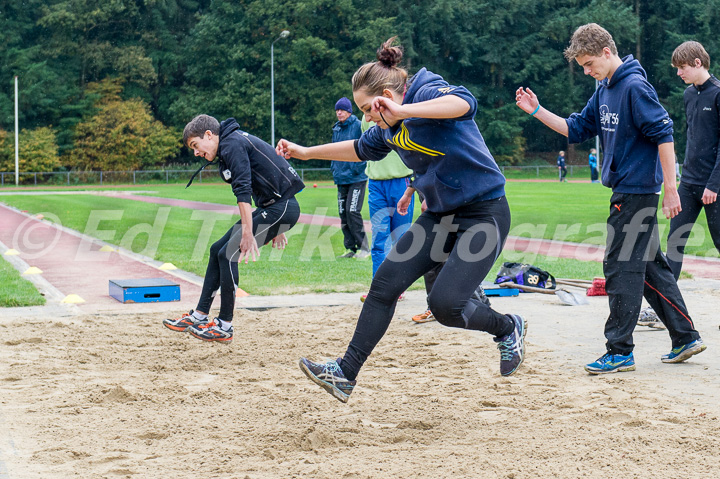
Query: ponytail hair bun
(376, 77)
(389, 55)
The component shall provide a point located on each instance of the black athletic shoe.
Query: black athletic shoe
(512, 346)
(328, 376)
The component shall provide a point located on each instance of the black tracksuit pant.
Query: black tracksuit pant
(350, 203)
(468, 240)
(681, 225)
(634, 267)
(222, 269)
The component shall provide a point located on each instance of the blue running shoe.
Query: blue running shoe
(328, 376)
(678, 355)
(611, 363)
(512, 346)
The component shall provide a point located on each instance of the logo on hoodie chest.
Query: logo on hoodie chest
(608, 120)
(402, 140)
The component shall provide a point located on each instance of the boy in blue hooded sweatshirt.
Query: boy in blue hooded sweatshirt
(636, 135)
(431, 126)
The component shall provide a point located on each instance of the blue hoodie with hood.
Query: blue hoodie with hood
(451, 162)
(625, 111)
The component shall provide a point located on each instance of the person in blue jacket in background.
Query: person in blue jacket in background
(592, 163)
(351, 182)
(636, 134)
(431, 126)
(562, 169)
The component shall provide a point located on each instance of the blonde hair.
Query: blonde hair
(589, 40)
(686, 54)
(374, 77)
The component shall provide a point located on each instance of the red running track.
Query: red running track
(74, 265)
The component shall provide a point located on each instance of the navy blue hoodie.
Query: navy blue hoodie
(347, 172)
(452, 165)
(625, 111)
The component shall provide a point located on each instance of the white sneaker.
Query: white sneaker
(362, 254)
(648, 317)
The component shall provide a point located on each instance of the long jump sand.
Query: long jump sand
(119, 395)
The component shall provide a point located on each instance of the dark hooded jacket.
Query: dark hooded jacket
(253, 169)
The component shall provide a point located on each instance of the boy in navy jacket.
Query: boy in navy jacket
(701, 170)
(255, 172)
(636, 135)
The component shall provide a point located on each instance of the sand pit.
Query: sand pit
(118, 395)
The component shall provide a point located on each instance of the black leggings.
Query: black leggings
(468, 240)
(222, 269)
(681, 225)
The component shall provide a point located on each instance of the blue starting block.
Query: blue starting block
(492, 289)
(150, 290)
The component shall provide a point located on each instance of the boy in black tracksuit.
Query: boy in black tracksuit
(256, 172)
(635, 132)
(700, 181)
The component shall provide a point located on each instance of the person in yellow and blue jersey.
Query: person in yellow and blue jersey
(430, 124)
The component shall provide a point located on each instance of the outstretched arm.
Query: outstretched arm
(529, 103)
(339, 151)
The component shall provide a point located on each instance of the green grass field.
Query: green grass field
(573, 212)
(16, 290)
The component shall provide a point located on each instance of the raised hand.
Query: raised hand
(526, 100)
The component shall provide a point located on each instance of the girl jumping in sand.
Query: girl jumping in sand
(430, 124)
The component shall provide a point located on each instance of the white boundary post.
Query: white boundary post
(17, 144)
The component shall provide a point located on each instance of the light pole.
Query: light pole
(283, 34)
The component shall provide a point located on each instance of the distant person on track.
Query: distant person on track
(593, 164)
(562, 169)
(255, 172)
(637, 137)
(430, 124)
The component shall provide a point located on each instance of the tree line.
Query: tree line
(109, 85)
